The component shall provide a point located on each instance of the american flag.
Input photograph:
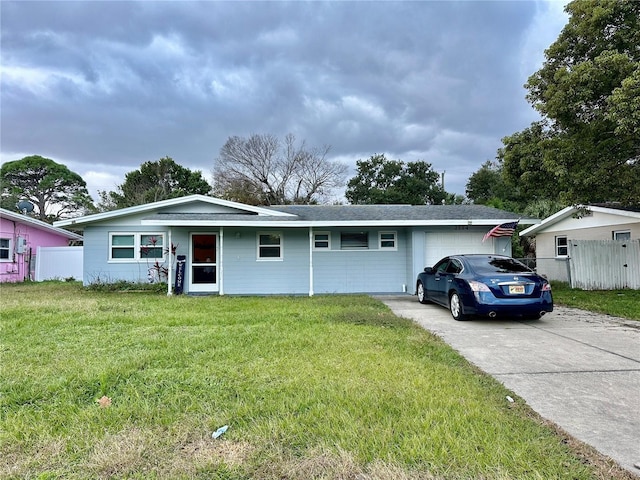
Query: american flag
(502, 230)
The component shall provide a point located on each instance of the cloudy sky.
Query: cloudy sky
(102, 86)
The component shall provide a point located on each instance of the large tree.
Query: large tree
(152, 182)
(55, 191)
(263, 170)
(526, 171)
(382, 181)
(588, 92)
(487, 184)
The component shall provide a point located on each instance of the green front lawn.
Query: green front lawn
(621, 303)
(322, 387)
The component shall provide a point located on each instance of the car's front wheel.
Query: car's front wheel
(455, 305)
(422, 296)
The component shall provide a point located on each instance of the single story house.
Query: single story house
(20, 238)
(218, 246)
(581, 222)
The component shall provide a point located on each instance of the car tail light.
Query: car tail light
(546, 287)
(478, 286)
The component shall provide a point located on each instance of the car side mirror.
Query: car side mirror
(428, 269)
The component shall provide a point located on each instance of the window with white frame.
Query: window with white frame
(562, 249)
(622, 234)
(5, 249)
(388, 240)
(354, 240)
(321, 241)
(269, 246)
(136, 247)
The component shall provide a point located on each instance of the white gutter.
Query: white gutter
(169, 269)
(311, 261)
(220, 263)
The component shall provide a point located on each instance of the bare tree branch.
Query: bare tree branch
(261, 170)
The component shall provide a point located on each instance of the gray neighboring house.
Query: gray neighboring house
(603, 222)
(238, 249)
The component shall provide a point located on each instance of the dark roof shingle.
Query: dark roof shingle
(393, 212)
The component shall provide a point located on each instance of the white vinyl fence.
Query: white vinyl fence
(58, 263)
(604, 264)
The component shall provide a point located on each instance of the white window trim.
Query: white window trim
(269, 259)
(328, 247)
(137, 257)
(556, 246)
(616, 232)
(9, 258)
(395, 240)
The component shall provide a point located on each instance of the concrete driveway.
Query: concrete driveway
(579, 369)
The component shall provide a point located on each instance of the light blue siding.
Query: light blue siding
(241, 272)
(418, 248)
(361, 271)
(97, 267)
(376, 263)
(245, 274)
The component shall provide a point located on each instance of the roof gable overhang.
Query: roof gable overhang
(35, 223)
(573, 210)
(80, 222)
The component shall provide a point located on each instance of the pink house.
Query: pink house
(20, 237)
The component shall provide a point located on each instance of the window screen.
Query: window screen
(354, 240)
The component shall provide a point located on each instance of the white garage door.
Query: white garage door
(441, 244)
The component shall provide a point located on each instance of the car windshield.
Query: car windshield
(487, 265)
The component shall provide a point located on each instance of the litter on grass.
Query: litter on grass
(510, 399)
(219, 431)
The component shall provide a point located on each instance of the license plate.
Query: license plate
(515, 289)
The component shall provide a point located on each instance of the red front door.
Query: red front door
(204, 262)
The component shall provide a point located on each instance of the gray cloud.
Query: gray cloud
(109, 85)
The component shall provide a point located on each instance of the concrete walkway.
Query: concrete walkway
(579, 369)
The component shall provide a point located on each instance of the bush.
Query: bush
(126, 286)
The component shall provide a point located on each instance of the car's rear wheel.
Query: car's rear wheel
(422, 296)
(455, 305)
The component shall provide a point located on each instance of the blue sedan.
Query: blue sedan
(489, 285)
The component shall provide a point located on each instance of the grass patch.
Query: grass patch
(620, 303)
(322, 387)
(126, 286)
